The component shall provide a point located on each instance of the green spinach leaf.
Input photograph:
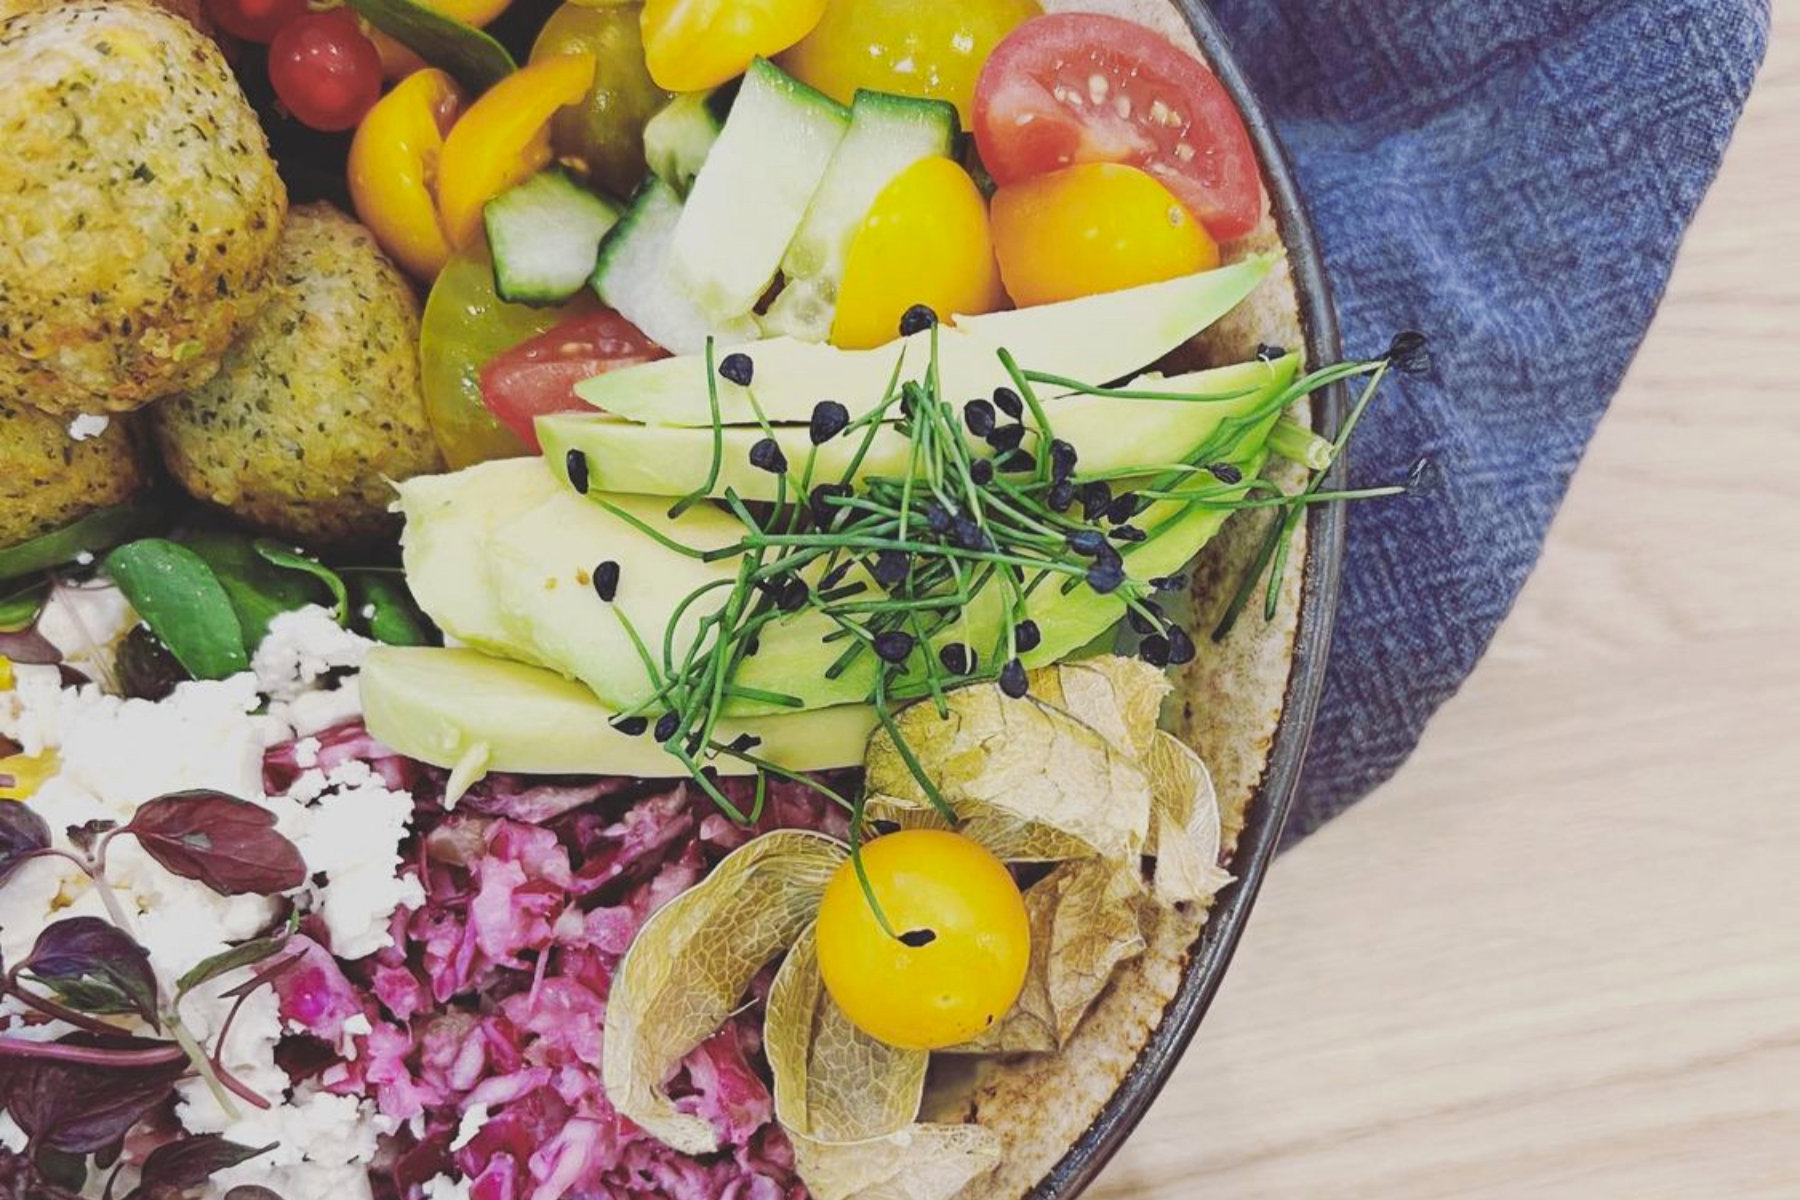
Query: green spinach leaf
(259, 589)
(385, 610)
(184, 604)
(92, 534)
(296, 560)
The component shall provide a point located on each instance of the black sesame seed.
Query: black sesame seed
(606, 580)
(824, 512)
(1105, 577)
(738, 368)
(789, 592)
(666, 725)
(1145, 625)
(1269, 353)
(766, 455)
(1012, 679)
(1154, 650)
(576, 464)
(834, 576)
(1129, 533)
(1408, 353)
(957, 659)
(978, 415)
(1062, 460)
(1006, 437)
(1016, 462)
(917, 319)
(1096, 497)
(891, 566)
(1060, 496)
(752, 646)
(981, 472)
(1181, 646)
(937, 517)
(828, 420)
(1009, 402)
(744, 743)
(917, 938)
(894, 646)
(1026, 636)
(968, 535)
(1226, 473)
(694, 742)
(1123, 508)
(1169, 583)
(631, 726)
(1087, 541)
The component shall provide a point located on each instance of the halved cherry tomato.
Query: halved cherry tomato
(925, 241)
(393, 169)
(538, 377)
(324, 70)
(504, 138)
(1080, 88)
(1095, 227)
(692, 45)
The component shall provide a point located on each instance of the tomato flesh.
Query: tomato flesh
(538, 377)
(1083, 88)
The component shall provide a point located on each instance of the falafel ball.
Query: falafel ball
(318, 405)
(138, 205)
(48, 479)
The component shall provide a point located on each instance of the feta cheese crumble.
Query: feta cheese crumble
(89, 425)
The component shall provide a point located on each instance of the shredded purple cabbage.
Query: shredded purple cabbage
(494, 993)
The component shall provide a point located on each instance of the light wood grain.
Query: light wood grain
(1559, 955)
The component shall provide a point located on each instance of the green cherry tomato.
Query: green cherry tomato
(604, 134)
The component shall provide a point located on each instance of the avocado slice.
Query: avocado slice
(539, 564)
(448, 518)
(1108, 433)
(1095, 339)
(460, 708)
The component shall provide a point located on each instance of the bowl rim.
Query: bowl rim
(1267, 814)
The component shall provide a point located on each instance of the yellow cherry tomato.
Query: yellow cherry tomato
(925, 241)
(393, 169)
(692, 45)
(21, 775)
(964, 946)
(1097, 227)
(504, 138)
(933, 48)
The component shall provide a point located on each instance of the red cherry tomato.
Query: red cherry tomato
(538, 377)
(325, 70)
(254, 20)
(1082, 88)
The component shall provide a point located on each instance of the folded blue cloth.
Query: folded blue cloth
(1512, 177)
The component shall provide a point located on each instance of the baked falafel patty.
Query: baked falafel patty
(48, 478)
(138, 205)
(318, 404)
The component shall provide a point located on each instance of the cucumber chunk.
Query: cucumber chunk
(545, 237)
(633, 277)
(678, 139)
(887, 135)
(749, 198)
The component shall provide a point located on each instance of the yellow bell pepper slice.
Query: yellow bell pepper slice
(393, 170)
(23, 774)
(504, 138)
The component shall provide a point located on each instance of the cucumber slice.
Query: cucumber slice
(887, 135)
(678, 139)
(633, 277)
(545, 237)
(749, 198)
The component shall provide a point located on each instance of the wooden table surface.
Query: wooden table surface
(1559, 955)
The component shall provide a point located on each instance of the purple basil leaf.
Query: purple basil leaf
(22, 834)
(61, 1169)
(249, 1191)
(243, 954)
(87, 834)
(182, 1164)
(84, 1107)
(228, 844)
(93, 966)
(28, 647)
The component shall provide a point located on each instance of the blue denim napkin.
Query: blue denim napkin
(1512, 177)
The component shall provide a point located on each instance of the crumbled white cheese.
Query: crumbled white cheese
(324, 1144)
(13, 1138)
(301, 648)
(446, 1187)
(474, 1117)
(306, 753)
(351, 831)
(89, 425)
